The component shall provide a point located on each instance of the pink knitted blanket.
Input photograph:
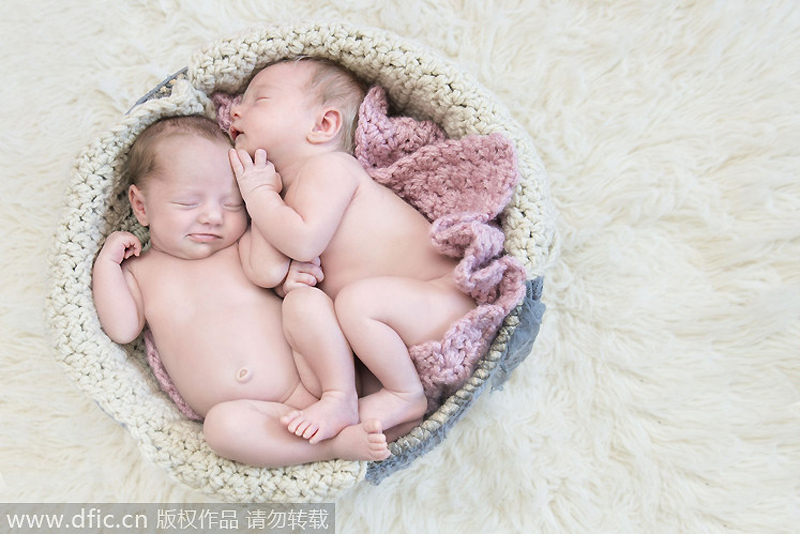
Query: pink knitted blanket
(461, 185)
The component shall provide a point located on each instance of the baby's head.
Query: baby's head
(183, 187)
(332, 84)
(143, 161)
(295, 86)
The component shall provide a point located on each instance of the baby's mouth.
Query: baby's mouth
(201, 237)
(233, 133)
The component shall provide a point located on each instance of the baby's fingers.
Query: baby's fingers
(130, 251)
(299, 280)
(310, 269)
(120, 246)
(240, 161)
(236, 163)
(315, 268)
(261, 158)
(316, 272)
(132, 245)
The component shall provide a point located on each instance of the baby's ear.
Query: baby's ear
(136, 199)
(327, 126)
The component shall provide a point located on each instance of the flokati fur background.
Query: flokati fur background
(662, 392)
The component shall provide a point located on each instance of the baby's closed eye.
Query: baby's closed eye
(185, 203)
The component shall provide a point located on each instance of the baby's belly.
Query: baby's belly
(214, 367)
(205, 386)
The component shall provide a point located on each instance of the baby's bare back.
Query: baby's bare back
(381, 235)
(220, 337)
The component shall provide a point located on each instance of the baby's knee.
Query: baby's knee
(354, 303)
(222, 423)
(365, 294)
(298, 302)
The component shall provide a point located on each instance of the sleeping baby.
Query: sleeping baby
(309, 197)
(220, 336)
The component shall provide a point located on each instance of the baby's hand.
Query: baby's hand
(303, 274)
(252, 175)
(120, 246)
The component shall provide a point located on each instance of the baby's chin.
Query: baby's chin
(193, 252)
(196, 254)
(241, 144)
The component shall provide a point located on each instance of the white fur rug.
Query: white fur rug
(662, 393)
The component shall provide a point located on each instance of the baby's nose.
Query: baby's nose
(236, 111)
(211, 213)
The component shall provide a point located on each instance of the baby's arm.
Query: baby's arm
(116, 296)
(263, 264)
(321, 195)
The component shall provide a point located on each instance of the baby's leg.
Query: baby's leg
(381, 318)
(325, 363)
(250, 432)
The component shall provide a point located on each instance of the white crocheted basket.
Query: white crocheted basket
(118, 378)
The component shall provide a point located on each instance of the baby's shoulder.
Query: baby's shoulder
(337, 170)
(139, 266)
(335, 162)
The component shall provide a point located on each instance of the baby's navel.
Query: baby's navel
(243, 374)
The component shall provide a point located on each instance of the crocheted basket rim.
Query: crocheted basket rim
(420, 84)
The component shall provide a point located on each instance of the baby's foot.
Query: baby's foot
(325, 418)
(393, 408)
(364, 441)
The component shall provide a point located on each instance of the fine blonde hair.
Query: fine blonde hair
(337, 86)
(142, 161)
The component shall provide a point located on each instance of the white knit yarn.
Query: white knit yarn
(117, 378)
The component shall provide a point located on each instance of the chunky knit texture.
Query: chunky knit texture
(420, 85)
